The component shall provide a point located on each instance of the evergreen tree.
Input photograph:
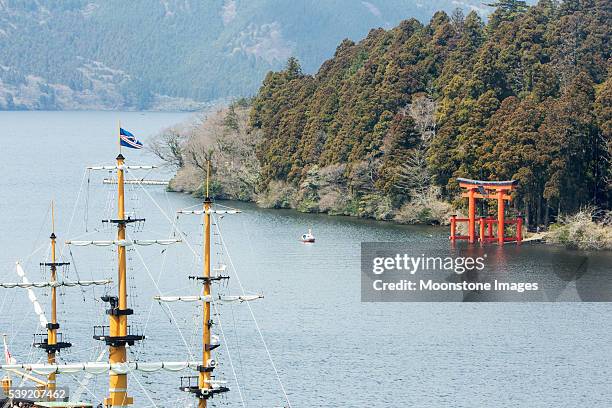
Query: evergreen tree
(524, 97)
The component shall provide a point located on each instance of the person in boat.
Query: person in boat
(308, 237)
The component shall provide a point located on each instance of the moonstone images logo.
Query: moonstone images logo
(390, 272)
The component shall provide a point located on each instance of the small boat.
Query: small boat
(308, 237)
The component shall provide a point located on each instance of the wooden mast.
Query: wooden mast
(118, 396)
(52, 328)
(203, 385)
(204, 377)
(53, 343)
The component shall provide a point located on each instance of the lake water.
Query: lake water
(330, 349)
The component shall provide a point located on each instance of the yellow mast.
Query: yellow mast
(204, 377)
(118, 317)
(205, 387)
(52, 344)
(52, 328)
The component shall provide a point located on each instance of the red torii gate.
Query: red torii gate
(491, 190)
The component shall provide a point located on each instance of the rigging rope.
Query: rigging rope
(236, 340)
(45, 245)
(169, 309)
(161, 269)
(84, 386)
(135, 377)
(86, 214)
(254, 319)
(77, 274)
(158, 289)
(183, 237)
(76, 203)
(239, 283)
(229, 356)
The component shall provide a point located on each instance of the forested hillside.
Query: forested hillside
(167, 54)
(385, 127)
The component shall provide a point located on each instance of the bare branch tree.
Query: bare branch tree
(168, 146)
(224, 139)
(423, 111)
(199, 155)
(414, 176)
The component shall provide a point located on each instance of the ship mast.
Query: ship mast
(204, 386)
(118, 334)
(204, 377)
(119, 312)
(51, 329)
(118, 322)
(52, 344)
(51, 341)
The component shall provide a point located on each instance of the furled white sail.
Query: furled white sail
(208, 298)
(243, 298)
(146, 242)
(100, 282)
(98, 368)
(101, 167)
(123, 167)
(171, 299)
(55, 284)
(200, 212)
(32, 296)
(137, 181)
(97, 243)
(137, 167)
(125, 242)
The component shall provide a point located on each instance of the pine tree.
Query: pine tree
(512, 102)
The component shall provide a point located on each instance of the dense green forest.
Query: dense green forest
(394, 119)
(113, 54)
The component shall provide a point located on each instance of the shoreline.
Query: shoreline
(343, 188)
(297, 209)
(541, 238)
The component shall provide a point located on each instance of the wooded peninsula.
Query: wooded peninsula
(386, 126)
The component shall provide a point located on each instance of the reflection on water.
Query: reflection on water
(434, 272)
(561, 275)
(331, 350)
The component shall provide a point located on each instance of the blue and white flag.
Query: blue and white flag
(128, 140)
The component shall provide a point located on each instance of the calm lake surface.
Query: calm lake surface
(330, 349)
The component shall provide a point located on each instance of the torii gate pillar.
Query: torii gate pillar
(471, 216)
(488, 190)
(500, 217)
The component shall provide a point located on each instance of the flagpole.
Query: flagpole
(119, 130)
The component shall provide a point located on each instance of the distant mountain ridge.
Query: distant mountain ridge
(173, 54)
